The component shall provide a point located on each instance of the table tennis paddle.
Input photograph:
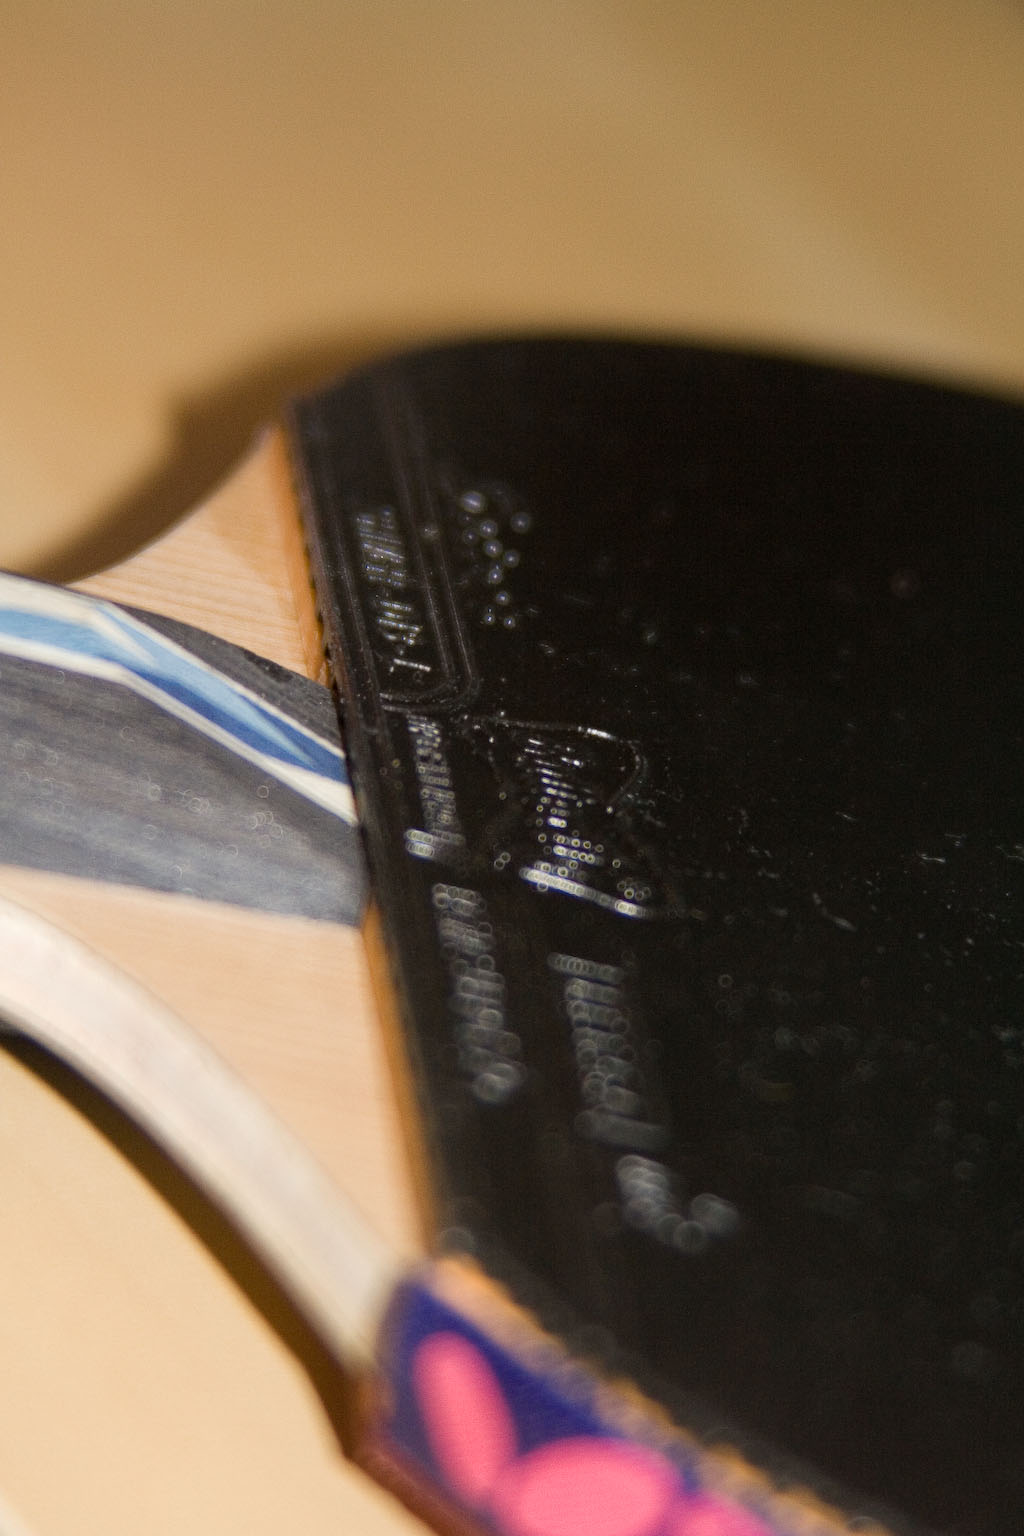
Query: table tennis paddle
(681, 695)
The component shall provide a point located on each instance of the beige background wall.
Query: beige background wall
(203, 204)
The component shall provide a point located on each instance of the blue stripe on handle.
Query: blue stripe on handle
(89, 636)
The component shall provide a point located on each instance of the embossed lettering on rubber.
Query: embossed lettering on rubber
(683, 695)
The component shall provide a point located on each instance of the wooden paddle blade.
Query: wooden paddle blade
(162, 1074)
(175, 814)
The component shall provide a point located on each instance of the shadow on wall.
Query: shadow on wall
(209, 435)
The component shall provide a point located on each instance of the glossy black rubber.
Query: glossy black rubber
(684, 698)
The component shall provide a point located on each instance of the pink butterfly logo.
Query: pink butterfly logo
(581, 1485)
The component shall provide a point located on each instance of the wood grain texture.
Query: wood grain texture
(143, 1390)
(150, 1064)
(235, 567)
(132, 1362)
(286, 1002)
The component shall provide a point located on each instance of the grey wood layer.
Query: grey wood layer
(99, 782)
